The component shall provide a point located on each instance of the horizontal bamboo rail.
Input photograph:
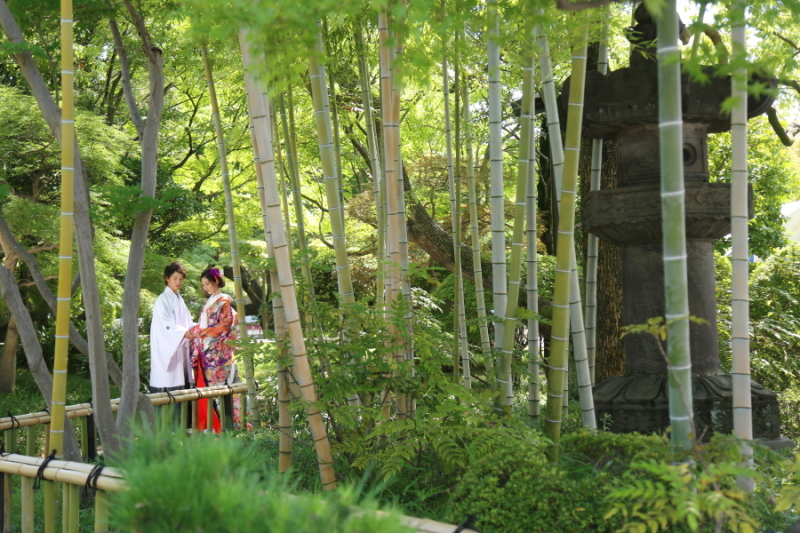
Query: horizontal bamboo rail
(156, 398)
(110, 479)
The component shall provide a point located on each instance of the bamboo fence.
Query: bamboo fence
(75, 475)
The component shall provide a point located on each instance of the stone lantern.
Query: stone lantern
(624, 106)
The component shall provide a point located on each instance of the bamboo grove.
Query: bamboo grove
(319, 125)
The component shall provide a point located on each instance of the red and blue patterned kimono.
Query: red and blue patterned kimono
(211, 352)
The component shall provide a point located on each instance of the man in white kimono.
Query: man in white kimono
(170, 367)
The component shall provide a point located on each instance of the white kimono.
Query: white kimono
(169, 350)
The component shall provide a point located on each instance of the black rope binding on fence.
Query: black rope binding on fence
(468, 524)
(92, 479)
(14, 420)
(3, 452)
(40, 473)
(171, 397)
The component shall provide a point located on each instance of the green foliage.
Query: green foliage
(775, 333)
(774, 179)
(513, 488)
(680, 492)
(228, 492)
(789, 497)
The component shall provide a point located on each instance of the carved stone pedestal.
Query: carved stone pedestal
(631, 218)
(639, 403)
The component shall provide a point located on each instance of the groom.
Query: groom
(170, 368)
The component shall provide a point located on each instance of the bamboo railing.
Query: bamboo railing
(74, 476)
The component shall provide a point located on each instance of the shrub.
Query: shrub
(209, 483)
(514, 489)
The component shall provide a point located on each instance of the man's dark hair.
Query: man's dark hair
(171, 268)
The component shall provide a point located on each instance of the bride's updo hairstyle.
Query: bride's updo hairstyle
(213, 274)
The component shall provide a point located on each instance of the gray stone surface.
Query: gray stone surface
(624, 106)
(639, 403)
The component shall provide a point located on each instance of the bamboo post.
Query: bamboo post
(50, 488)
(101, 524)
(7, 492)
(84, 437)
(66, 508)
(26, 484)
(74, 507)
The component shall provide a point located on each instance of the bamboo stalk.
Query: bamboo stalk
(101, 523)
(7, 494)
(532, 286)
(302, 368)
(73, 525)
(294, 179)
(480, 298)
(65, 508)
(592, 243)
(740, 299)
(523, 161)
(673, 223)
(575, 309)
(375, 164)
(455, 222)
(395, 217)
(565, 258)
(234, 245)
(499, 277)
(226, 183)
(282, 181)
(65, 233)
(329, 173)
(49, 505)
(26, 486)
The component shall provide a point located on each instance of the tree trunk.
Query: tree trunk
(33, 353)
(8, 359)
(610, 353)
(133, 275)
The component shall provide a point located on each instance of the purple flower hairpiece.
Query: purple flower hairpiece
(215, 272)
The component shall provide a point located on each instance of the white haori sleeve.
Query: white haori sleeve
(166, 336)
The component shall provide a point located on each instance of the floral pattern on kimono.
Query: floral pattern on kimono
(212, 349)
(211, 352)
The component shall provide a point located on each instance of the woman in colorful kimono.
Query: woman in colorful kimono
(212, 354)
